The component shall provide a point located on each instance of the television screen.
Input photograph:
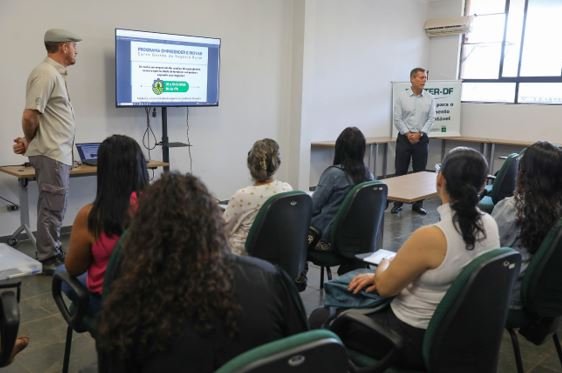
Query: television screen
(155, 69)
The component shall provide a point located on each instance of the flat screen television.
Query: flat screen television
(156, 69)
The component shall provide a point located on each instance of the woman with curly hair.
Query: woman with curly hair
(121, 175)
(263, 161)
(525, 219)
(182, 301)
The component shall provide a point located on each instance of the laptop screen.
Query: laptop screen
(88, 151)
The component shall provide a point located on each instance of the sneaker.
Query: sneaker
(50, 265)
(59, 253)
(419, 210)
(301, 282)
(323, 246)
(396, 209)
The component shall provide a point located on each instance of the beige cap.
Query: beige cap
(58, 35)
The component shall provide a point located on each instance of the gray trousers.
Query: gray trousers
(53, 188)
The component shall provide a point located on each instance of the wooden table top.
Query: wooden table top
(22, 172)
(411, 187)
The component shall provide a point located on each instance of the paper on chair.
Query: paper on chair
(376, 257)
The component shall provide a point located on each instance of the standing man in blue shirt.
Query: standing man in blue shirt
(414, 113)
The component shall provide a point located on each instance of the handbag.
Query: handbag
(338, 296)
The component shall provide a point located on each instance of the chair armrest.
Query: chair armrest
(9, 284)
(10, 321)
(74, 311)
(341, 324)
(490, 179)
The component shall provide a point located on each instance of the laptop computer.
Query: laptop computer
(88, 152)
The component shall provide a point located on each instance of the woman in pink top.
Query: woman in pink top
(121, 174)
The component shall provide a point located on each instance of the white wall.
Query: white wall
(353, 50)
(524, 122)
(255, 99)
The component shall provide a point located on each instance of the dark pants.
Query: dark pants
(410, 356)
(416, 152)
(94, 304)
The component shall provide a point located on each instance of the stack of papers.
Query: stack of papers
(14, 263)
(376, 257)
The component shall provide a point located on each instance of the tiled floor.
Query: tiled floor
(46, 328)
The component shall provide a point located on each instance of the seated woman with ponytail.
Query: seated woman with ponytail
(432, 257)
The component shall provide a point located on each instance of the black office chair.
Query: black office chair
(541, 297)
(313, 351)
(464, 334)
(356, 228)
(503, 184)
(279, 231)
(9, 325)
(76, 311)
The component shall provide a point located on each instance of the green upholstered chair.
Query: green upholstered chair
(541, 297)
(313, 351)
(356, 228)
(503, 184)
(75, 311)
(9, 324)
(464, 334)
(279, 231)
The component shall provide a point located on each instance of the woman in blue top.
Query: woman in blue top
(347, 171)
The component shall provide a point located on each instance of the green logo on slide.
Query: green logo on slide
(160, 86)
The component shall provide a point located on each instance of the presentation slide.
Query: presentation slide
(169, 73)
(155, 69)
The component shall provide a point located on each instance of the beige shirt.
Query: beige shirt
(242, 210)
(47, 93)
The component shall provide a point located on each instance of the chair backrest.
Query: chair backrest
(9, 324)
(464, 334)
(359, 222)
(317, 350)
(504, 184)
(279, 231)
(541, 290)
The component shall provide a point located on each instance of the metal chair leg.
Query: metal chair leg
(321, 277)
(557, 345)
(67, 346)
(516, 350)
(329, 272)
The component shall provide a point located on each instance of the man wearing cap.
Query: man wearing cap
(48, 126)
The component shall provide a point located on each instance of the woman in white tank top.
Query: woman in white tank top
(432, 257)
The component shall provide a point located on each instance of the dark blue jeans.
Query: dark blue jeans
(94, 305)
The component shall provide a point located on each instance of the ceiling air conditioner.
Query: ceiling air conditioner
(447, 26)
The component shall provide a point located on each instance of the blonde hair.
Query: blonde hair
(263, 159)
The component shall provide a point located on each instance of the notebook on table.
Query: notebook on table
(88, 152)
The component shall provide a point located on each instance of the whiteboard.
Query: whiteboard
(447, 95)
